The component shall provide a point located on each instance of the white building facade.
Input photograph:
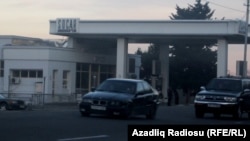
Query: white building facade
(30, 66)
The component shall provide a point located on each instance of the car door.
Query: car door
(148, 97)
(245, 101)
(139, 100)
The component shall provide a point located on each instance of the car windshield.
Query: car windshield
(117, 86)
(224, 85)
(1, 96)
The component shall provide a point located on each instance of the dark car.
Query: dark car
(121, 97)
(11, 104)
(224, 95)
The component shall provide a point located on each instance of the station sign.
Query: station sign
(67, 25)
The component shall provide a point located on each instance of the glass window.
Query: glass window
(147, 87)
(224, 85)
(27, 73)
(1, 68)
(1, 73)
(65, 79)
(85, 80)
(82, 76)
(16, 73)
(85, 67)
(104, 68)
(94, 68)
(32, 73)
(24, 73)
(78, 80)
(139, 88)
(40, 74)
(78, 66)
(246, 84)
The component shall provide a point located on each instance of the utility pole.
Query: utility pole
(246, 42)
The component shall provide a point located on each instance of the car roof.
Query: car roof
(126, 79)
(233, 78)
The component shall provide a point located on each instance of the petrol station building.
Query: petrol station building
(98, 49)
(117, 34)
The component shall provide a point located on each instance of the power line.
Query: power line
(226, 7)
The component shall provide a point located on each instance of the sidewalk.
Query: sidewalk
(183, 100)
(63, 105)
(74, 105)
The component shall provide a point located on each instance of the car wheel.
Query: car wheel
(84, 114)
(3, 107)
(129, 112)
(217, 115)
(237, 114)
(199, 114)
(152, 112)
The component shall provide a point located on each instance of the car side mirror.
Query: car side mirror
(93, 89)
(246, 91)
(202, 88)
(139, 93)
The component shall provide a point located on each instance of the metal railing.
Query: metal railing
(41, 99)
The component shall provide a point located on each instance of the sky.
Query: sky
(31, 18)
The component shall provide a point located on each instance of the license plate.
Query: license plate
(22, 106)
(94, 107)
(214, 105)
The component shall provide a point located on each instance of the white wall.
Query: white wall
(49, 59)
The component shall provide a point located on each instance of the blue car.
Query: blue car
(121, 97)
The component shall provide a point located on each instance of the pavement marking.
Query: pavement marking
(83, 138)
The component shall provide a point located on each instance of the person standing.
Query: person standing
(170, 96)
(186, 94)
(176, 96)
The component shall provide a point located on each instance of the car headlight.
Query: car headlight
(114, 103)
(13, 102)
(87, 100)
(200, 97)
(119, 103)
(231, 99)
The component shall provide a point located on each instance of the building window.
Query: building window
(1, 68)
(16, 73)
(82, 77)
(32, 74)
(84, 71)
(106, 71)
(65, 79)
(22, 73)
(39, 73)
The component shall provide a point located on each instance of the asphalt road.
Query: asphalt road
(64, 123)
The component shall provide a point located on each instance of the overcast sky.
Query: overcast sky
(31, 17)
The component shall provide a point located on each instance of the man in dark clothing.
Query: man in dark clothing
(170, 96)
(176, 96)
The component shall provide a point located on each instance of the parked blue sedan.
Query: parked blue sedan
(121, 97)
